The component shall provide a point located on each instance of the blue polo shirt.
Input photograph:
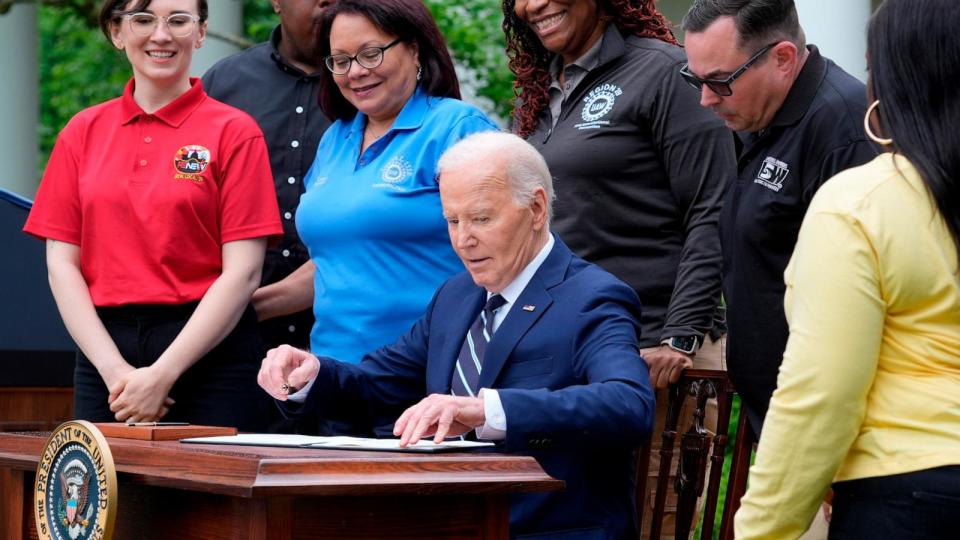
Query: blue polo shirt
(374, 226)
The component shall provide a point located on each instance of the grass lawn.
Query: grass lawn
(727, 459)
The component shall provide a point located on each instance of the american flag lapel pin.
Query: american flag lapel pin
(529, 307)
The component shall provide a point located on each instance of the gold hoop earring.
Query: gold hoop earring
(866, 126)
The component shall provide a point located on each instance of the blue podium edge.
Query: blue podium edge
(18, 200)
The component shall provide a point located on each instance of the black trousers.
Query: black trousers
(921, 505)
(220, 389)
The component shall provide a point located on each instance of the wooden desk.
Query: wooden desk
(174, 490)
(31, 407)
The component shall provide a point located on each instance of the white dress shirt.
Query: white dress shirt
(494, 427)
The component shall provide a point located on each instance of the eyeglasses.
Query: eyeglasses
(145, 24)
(370, 57)
(721, 87)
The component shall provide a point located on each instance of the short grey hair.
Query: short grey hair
(525, 168)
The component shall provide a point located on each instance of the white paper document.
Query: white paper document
(342, 443)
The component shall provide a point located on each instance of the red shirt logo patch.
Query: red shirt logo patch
(190, 161)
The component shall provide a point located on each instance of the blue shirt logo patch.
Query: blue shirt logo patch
(394, 172)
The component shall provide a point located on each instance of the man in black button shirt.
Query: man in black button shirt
(799, 121)
(276, 83)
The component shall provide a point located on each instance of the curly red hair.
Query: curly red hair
(530, 61)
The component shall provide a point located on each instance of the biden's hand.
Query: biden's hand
(440, 416)
(285, 370)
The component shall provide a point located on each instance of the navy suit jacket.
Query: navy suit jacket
(574, 389)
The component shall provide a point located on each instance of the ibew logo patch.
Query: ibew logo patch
(772, 173)
(598, 104)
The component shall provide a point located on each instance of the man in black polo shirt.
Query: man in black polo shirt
(798, 120)
(276, 83)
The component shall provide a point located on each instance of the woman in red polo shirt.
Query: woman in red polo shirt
(156, 208)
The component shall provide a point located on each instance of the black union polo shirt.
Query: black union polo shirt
(817, 133)
(639, 172)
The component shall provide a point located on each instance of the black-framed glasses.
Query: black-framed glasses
(369, 57)
(145, 24)
(721, 87)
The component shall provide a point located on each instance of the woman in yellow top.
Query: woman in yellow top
(868, 395)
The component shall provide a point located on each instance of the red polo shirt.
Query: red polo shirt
(151, 198)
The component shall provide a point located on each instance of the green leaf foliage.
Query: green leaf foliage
(477, 44)
(78, 68)
(258, 20)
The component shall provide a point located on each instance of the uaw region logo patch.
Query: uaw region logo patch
(190, 162)
(772, 173)
(394, 172)
(76, 486)
(598, 103)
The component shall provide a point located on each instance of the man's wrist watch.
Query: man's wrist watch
(684, 344)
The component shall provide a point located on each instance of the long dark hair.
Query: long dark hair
(530, 60)
(410, 21)
(914, 58)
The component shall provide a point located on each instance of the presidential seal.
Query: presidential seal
(76, 487)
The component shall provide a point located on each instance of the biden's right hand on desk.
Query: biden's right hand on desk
(285, 370)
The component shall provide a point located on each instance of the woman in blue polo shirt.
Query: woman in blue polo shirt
(371, 215)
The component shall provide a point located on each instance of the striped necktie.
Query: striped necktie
(466, 376)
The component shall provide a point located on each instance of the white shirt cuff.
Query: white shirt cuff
(494, 427)
(301, 395)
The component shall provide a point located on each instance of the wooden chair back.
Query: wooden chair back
(697, 447)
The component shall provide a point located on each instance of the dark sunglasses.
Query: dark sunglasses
(721, 87)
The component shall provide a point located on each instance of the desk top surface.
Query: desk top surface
(246, 471)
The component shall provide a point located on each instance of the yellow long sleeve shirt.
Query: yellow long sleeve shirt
(870, 380)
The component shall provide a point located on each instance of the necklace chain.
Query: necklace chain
(374, 136)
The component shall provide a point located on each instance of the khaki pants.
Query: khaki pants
(712, 355)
